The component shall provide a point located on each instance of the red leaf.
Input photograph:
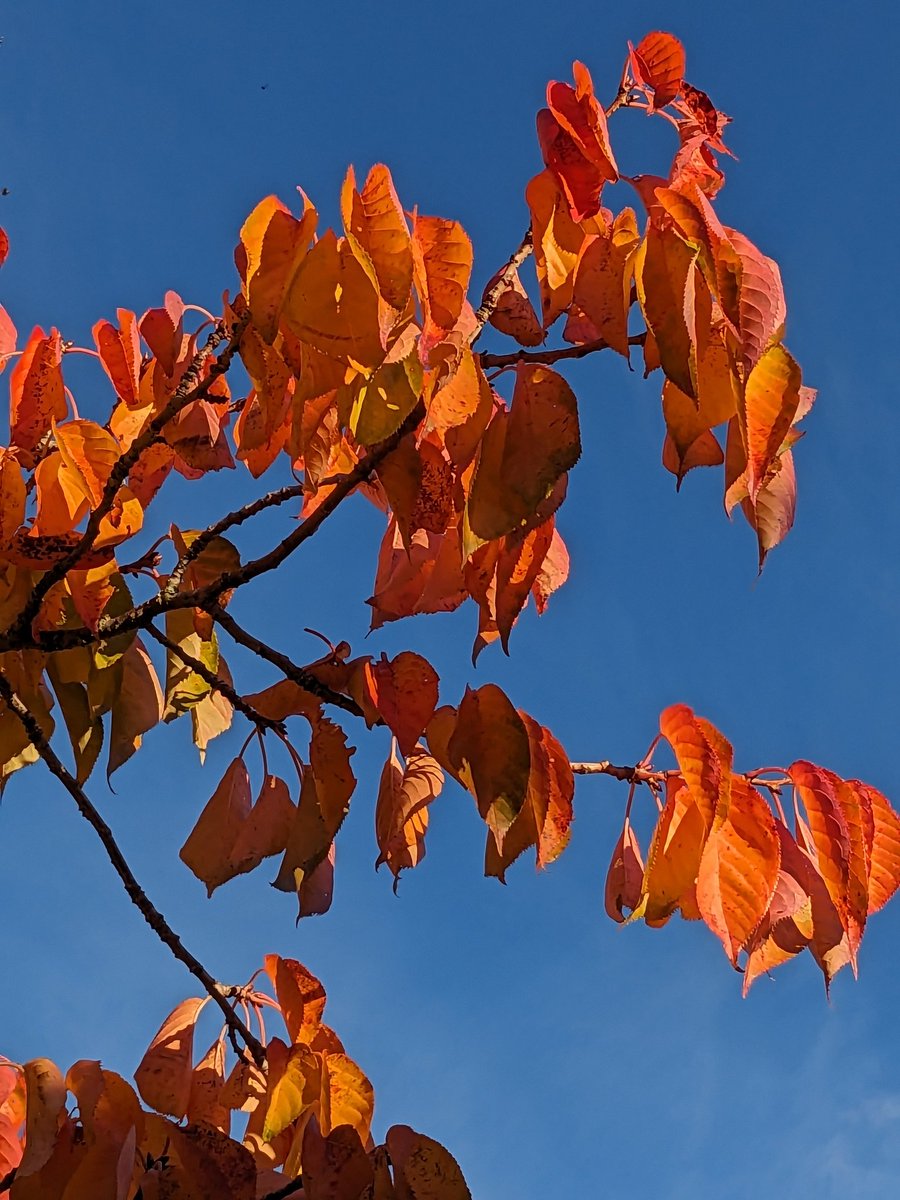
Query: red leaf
(406, 694)
(625, 877)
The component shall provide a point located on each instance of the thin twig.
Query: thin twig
(636, 774)
(215, 681)
(154, 918)
(495, 291)
(552, 356)
(199, 544)
(298, 675)
(289, 1189)
(191, 388)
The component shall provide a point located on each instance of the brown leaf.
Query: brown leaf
(138, 706)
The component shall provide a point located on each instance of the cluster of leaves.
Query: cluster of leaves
(307, 1114)
(362, 375)
(720, 854)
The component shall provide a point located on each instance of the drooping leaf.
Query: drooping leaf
(739, 869)
(770, 406)
(673, 858)
(442, 258)
(524, 453)
(274, 243)
(625, 877)
(401, 812)
(884, 866)
(120, 354)
(208, 849)
(138, 706)
(163, 1075)
(557, 244)
(490, 752)
(336, 1165)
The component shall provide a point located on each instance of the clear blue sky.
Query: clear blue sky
(552, 1052)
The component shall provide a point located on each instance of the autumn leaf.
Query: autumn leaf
(405, 691)
(884, 866)
(513, 313)
(45, 1092)
(163, 330)
(657, 62)
(423, 1169)
(273, 243)
(163, 1075)
(770, 406)
(333, 305)
(301, 996)
(36, 392)
(208, 849)
(335, 1165)
(401, 812)
(704, 759)
(490, 752)
(673, 859)
(379, 237)
(442, 266)
(625, 877)
(120, 354)
(12, 498)
(524, 453)
(739, 869)
(557, 242)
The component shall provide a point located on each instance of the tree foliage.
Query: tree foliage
(361, 373)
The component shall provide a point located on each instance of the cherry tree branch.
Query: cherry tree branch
(229, 521)
(190, 388)
(298, 675)
(154, 918)
(501, 281)
(504, 361)
(215, 681)
(636, 774)
(141, 614)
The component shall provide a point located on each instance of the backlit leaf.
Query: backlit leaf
(207, 851)
(401, 812)
(658, 62)
(406, 695)
(423, 1169)
(163, 1075)
(45, 1090)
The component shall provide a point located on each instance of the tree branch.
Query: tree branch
(298, 675)
(215, 682)
(637, 774)
(495, 290)
(199, 544)
(138, 617)
(154, 918)
(190, 388)
(503, 361)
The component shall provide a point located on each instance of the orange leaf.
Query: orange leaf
(545, 818)
(704, 759)
(519, 565)
(601, 296)
(12, 497)
(658, 62)
(884, 866)
(553, 573)
(36, 391)
(524, 453)
(426, 578)
(490, 753)
(379, 237)
(137, 707)
(333, 305)
(207, 1082)
(770, 406)
(335, 1166)
(442, 258)
(90, 453)
(266, 829)
(739, 869)
(575, 142)
(301, 996)
(787, 927)
(12, 1117)
(120, 354)
(164, 1074)
(664, 269)
(405, 691)
(274, 243)
(828, 826)
(207, 851)
(163, 330)
(673, 859)
(772, 514)
(423, 1169)
(513, 312)
(45, 1092)
(557, 243)
(401, 813)
(61, 502)
(625, 877)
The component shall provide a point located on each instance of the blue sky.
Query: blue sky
(553, 1053)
